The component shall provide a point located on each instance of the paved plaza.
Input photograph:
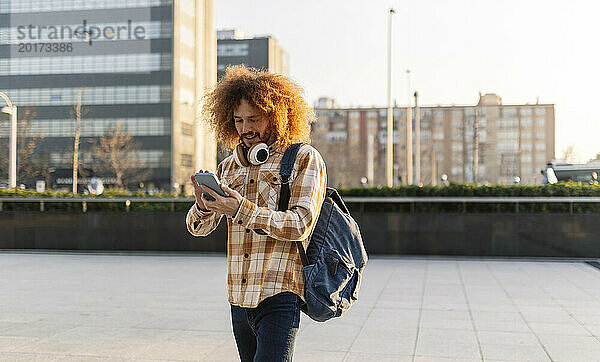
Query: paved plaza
(97, 307)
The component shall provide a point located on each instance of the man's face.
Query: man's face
(251, 124)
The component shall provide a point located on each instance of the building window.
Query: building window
(125, 63)
(525, 122)
(540, 111)
(509, 112)
(92, 95)
(186, 160)
(540, 146)
(540, 123)
(187, 129)
(27, 6)
(93, 127)
(482, 136)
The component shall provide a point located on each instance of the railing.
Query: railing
(465, 200)
(85, 201)
(348, 199)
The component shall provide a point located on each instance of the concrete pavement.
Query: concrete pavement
(105, 307)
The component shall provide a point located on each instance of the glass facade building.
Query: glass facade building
(139, 64)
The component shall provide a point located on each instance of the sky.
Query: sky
(521, 50)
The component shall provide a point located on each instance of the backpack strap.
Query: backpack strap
(285, 171)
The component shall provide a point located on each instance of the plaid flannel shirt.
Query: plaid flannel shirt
(262, 255)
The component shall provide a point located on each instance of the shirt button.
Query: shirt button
(247, 230)
(274, 178)
(246, 255)
(244, 280)
(240, 222)
(230, 185)
(251, 180)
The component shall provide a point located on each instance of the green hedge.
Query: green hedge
(456, 190)
(570, 189)
(92, 206)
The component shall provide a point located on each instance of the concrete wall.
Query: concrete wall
(556, 235)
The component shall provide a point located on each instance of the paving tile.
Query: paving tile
(399, 342)
(434, 319)
(513, 352)
(492, 321)
(8, 344)
(571, 348)
(73, 308)
(444, 343)
(91, 359)
(188, 345)
(29, 357)
(507, 338)
(443, 359)
(587, 318)
(544, 302)
(594, 329)
(564, 329)
(358, 357)
(324, 356)
(226, 351)
(488, 306)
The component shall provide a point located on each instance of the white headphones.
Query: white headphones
(256, 155)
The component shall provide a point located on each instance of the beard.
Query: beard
(267, 137)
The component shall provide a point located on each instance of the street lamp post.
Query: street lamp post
(417, 175)
(389, 168)
(12, 169)
(409, 134)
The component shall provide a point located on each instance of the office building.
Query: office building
(514, 142)
(142, 64)
(262, 52)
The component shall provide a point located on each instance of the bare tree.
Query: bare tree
(115, 154)
(78, 112)
(568, 154)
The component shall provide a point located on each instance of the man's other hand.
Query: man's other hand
(223, 205)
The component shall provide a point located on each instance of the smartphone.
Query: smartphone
(209, 180)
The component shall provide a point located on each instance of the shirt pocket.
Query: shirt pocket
(236, 182)
(270, 187)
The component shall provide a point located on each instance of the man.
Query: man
(260, 114)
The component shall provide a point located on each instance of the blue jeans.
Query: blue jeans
(267, 332)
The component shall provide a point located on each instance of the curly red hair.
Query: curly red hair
(279, 98)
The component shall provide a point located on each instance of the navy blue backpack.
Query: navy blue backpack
(335, 257)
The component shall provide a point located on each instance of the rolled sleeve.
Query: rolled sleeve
(201, 223)
(246, 213)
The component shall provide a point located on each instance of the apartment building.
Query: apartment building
(513, 142)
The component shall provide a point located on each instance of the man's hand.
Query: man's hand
(223, 205)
